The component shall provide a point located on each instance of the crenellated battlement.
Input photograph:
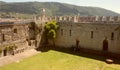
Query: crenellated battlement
(82, 18)
(85, 19)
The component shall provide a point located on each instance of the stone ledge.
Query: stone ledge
(109, 61)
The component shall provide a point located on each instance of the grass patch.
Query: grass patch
(55, 60)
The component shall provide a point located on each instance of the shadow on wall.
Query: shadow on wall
(100, 55)
(42, 40)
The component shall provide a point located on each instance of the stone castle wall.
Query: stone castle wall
(11, 32)
(82, 18)
(90, 35)
(16, 33)
(90, 31)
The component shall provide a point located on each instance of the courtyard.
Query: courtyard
(51, 59)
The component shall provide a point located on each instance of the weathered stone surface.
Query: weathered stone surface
(15, 33)
(90, 35)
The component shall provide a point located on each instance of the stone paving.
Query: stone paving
(17, 57)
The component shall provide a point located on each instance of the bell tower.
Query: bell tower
(43, 12)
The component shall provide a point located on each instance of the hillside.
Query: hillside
(53, 8)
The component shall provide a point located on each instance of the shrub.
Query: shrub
(12, 47)
(15, 47)
(7, 48)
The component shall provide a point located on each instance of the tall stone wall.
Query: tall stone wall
(90, 35)
(17, 33)
(12, 32)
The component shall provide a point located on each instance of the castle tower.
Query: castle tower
(75, 18)
(43, 12)
(43, 16)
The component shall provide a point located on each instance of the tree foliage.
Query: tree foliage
(51, 29)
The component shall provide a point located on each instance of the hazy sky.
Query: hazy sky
(113, 5)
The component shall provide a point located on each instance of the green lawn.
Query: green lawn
(55, 60)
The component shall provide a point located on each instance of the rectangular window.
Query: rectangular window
(112, 36)
(91, 34)
(3, 37)
(70, 32)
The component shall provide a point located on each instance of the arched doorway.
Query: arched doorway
(105, 45)
(76, 48)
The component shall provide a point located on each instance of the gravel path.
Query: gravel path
(17, 57)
